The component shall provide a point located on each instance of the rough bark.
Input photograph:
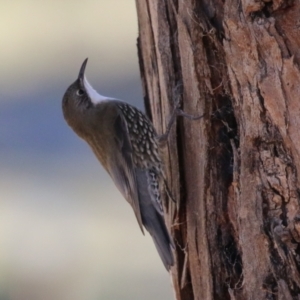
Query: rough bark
(234, 173)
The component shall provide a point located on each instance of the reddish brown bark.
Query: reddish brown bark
(234, 173)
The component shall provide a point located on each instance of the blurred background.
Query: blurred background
(65, 231)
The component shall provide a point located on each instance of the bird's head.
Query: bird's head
(76, 98)
(79, 98)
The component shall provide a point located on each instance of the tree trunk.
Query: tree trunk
(236, 221)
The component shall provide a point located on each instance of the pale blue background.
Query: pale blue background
(65, 232)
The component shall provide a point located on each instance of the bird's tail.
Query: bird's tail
(162, 240)
(154, 221)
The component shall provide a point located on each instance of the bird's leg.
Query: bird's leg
(162, 139)
(169, 193)
(181, 113)
(177, 112)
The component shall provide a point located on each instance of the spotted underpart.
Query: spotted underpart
(142, 137)
(153, 183)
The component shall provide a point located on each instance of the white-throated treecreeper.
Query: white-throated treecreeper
(124, 141)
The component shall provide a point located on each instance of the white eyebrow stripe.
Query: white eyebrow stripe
(93, 94)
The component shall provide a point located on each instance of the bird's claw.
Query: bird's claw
(177, 112)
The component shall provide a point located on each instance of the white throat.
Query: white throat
(93, 94)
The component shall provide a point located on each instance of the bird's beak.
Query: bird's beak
(81, 72)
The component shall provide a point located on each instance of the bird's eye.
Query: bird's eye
(80, 92)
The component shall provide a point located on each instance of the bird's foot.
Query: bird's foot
(177, 112)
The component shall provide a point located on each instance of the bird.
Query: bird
(124, 141)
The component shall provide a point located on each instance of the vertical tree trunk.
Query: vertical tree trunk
(234, 172)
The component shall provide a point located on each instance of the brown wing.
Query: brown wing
(122, 168)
